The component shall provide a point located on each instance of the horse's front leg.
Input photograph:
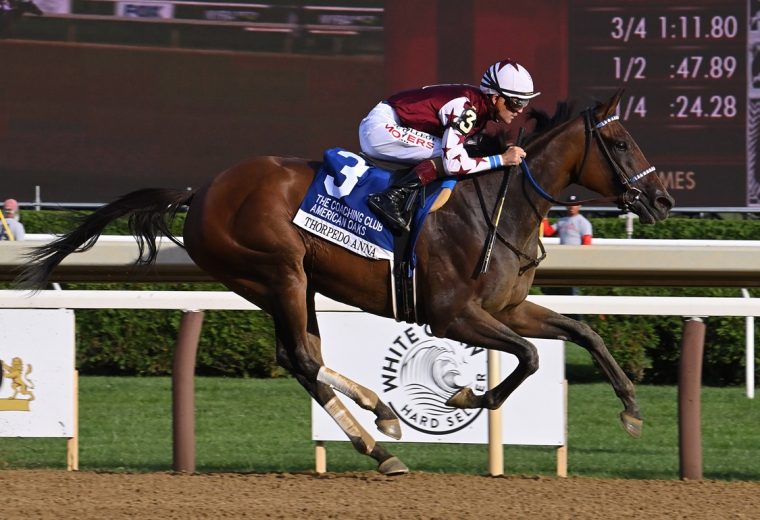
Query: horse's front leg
(534, 321)
(477, 327)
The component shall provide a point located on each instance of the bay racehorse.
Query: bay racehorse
(239, 229)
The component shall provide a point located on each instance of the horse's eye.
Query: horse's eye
(621, 146)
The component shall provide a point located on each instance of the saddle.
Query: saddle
(335, 209)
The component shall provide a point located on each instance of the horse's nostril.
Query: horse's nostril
(665, 202)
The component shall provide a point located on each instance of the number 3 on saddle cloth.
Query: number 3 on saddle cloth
(335, 209)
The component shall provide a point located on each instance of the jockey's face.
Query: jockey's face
(503, 112)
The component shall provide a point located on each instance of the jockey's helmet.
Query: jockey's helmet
(508, 79)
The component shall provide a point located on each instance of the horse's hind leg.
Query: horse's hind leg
(329, 401)
(386, 421)
(299, 350)
(361, 440)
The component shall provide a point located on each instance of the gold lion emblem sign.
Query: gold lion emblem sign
(20, 385)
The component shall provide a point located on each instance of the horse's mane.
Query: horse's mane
(545, 122)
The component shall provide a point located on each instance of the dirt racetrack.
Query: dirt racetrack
(113, 496)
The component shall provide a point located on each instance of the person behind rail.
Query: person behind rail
(11, 228)
(574, 229)
(430, 126)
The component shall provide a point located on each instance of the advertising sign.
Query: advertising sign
(145, 9)
(37, 389)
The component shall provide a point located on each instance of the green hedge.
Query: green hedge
(131, 342)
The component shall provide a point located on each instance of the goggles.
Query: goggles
(516, 104)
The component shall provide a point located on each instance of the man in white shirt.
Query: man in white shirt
(574, 229)
(11, 228)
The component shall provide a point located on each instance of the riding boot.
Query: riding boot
(394, 205)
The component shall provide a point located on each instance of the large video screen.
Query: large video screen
(692, 77)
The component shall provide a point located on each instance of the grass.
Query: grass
(251, 425)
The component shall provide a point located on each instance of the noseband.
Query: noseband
(624, 201)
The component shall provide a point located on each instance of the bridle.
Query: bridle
(625, 200)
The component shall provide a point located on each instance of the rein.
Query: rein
(624, 201)
(532, 262)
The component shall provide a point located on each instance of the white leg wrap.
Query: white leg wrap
(364, 397)
(348, 424)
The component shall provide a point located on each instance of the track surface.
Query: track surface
(84, 495)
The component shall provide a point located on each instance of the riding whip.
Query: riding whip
(495, 219)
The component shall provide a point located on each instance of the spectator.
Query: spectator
(12, 228)
(574, 229)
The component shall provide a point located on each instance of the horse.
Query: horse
(239, 229)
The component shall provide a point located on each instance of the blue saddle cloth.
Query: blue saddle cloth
(335, 207)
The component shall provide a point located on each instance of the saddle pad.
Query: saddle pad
(335, 207)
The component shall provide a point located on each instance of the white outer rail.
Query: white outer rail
(220, 300)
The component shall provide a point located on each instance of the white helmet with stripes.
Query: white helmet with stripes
(509, 79)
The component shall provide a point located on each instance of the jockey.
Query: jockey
(430, 127)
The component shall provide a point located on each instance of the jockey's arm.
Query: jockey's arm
(460, 121)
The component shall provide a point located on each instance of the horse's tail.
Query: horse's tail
(150, 212)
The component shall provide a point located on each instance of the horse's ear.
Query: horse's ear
(612, 104)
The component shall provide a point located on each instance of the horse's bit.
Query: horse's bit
(624, 201)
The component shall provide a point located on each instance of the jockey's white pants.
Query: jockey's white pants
(382, 136)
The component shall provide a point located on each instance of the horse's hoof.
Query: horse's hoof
(464, 398)
(392, 466)
(632, 425)
(390, 427)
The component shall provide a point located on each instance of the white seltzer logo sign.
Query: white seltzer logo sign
(421, 372)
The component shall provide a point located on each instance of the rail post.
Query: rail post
(183, 391)
(495, 438)
(749, 351)
(689, 387)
